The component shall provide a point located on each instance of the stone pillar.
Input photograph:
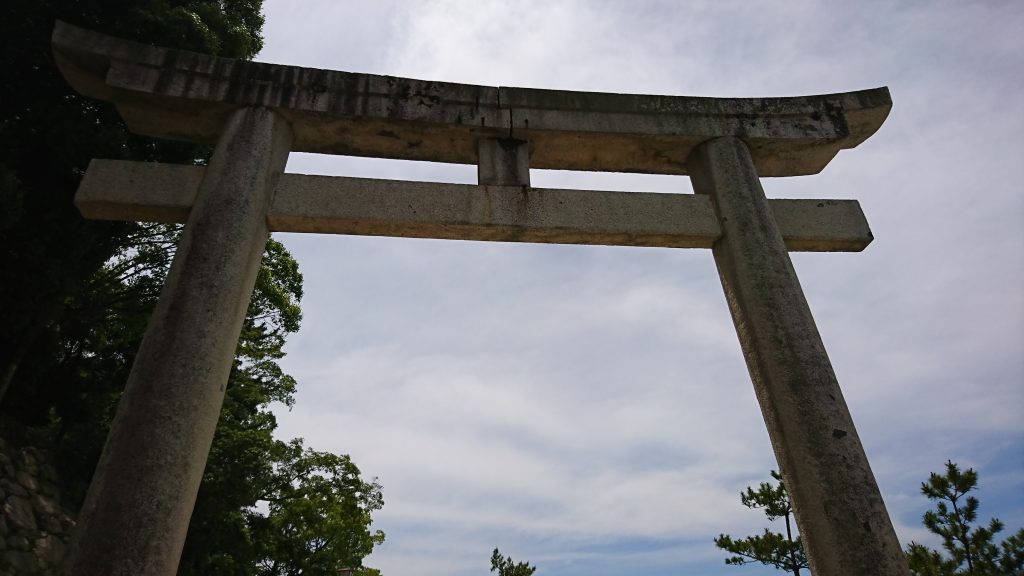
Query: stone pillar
(839, 510)
(137, 511)
(503, 162)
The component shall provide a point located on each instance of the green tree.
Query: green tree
(48, 134)
(228, 533)
(970, 548)
(784, 552)
(506, 567)
(319, 515)
(85, 290)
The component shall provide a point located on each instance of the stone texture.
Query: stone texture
(121, 190)
(50, 551)
(34, 528)
(29, 463)
(23, 562)
(843, 521)
(18, 511)
(27, 480)
(51, 524)
(503, 162)
(137, 510)
(42, 504)
(187, 96)
(13, 487)
(48, 473)
(16, 542)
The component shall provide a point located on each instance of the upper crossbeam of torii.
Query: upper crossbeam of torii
(187, 96)
(137, 510)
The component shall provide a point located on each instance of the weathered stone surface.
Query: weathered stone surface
(16, 542)
(23, 562)
(44, 505)
(843, 521)
(503, 162)
(49, 488)
(29, 461)
(139, 191)
(51, 524)
(18, 511)
(137, 510)
(48, 473)
(28, 481)
(50, 550)
(187, 96)
(17, 489)
(330, 111)
(329, 204)
(33, 526)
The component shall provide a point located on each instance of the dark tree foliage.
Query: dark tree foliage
(77, 295)
(69, 326)
(48, 134)
(507, 567)
(970, 548)
(781, 551)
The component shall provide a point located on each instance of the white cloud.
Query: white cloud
(587, 408)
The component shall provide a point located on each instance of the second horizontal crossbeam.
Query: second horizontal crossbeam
(119, 190)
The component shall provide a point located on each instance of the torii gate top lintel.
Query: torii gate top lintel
(182, 95)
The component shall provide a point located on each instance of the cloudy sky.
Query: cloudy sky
(588, 408)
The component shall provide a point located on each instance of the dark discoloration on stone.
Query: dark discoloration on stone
(831, 485)
(119, 190)
(138, 507)
(503, 162)
(182, 95)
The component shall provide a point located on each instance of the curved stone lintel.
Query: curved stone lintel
(182, 95)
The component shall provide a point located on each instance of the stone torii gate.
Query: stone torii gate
(138, 507)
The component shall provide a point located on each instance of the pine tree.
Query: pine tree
(971, 549)
(784, 552)
(506, 567)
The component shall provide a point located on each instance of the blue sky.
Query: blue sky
(588, 408)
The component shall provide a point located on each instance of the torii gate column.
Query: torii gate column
(137, 511)
(839, 510)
